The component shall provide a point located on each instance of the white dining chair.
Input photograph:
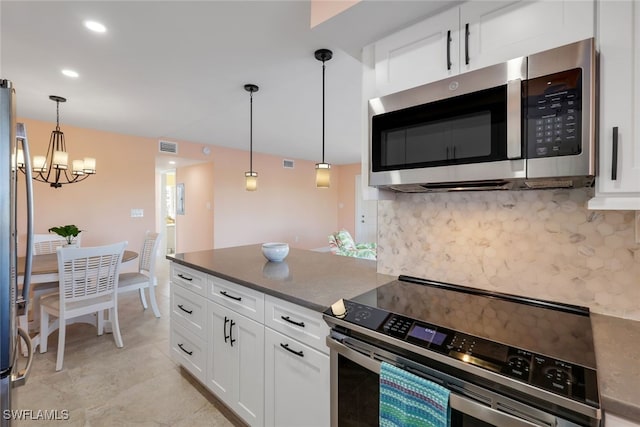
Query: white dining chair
(48, 243)
(145, 277)
(88, 279)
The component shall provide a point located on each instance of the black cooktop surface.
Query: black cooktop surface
(543, 343)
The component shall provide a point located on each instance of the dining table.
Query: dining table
(44, 277)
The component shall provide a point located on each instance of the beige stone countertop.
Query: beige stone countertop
(311, 279)
(617, 346)
(318, 279)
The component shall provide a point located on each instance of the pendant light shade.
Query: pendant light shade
(323, 170)
(251, 177)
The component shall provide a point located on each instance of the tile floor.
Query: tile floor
(102, 385)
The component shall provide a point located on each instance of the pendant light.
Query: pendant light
(251, 177)
(323, 170)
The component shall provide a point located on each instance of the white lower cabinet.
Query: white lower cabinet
(235, 361)
(296, 383)
(263, 357)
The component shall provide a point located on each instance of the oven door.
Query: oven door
(355, 370)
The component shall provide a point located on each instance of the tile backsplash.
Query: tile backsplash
(542, 243)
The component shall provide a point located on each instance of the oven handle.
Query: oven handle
(456, 401)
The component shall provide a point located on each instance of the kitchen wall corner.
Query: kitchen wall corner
(543, 243)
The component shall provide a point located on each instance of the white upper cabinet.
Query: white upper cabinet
(496, 31)
(477, 34)
(618, 179)
(418, 53)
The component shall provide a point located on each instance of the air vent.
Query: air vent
(168, 147)
(287, 164)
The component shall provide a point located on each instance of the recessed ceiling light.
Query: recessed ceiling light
(70, 73)
(171, 162)
(95, 26)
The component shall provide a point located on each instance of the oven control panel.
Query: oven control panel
(570, 380)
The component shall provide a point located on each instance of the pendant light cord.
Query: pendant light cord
(323, 67)
(251, 131)
(58, 115)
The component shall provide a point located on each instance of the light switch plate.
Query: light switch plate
(137, 213)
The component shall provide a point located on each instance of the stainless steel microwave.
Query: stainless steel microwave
(527, 123)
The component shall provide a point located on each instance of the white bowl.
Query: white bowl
(275, 251)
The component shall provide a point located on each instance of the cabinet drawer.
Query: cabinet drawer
(300, 323)
(188, 350)
(189, 310)
(188, 278)
(240, 299)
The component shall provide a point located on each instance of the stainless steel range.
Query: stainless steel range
(506, 360)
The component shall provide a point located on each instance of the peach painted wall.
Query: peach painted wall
(287, 206)
(322, 10)
(101, 205)
(194, 229)
(347, 197)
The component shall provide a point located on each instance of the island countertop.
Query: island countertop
(318, 279)
(310, 279)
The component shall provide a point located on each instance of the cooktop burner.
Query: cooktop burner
(545, 344)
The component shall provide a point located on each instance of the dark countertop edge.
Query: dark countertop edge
(268, 291)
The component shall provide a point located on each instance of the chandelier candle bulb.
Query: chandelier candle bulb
(89, 165)
(39, 163)
(60, 159)
(78, 167)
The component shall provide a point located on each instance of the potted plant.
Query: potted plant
(69, 232)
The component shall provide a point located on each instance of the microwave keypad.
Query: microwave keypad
(553, 115)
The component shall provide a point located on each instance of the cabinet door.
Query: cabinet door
(221, 360)
(235, 362)
(248, 344)
(502, 30)
(296, 383)
(418, 54)
(619, 29)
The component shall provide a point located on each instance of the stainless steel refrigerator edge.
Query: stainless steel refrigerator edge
(12, 304)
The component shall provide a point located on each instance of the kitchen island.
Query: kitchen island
(314, 281)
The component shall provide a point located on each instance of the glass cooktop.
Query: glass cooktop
(546, 344)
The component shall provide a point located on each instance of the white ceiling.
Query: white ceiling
(175, 70)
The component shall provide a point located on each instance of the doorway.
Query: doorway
(168, 209)
(366, 216)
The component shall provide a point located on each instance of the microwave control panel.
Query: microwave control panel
(553, 114)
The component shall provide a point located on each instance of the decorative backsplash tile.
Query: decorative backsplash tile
(543, 243)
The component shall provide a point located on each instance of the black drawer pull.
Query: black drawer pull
(297, 353)
(614, 155)
(182, 348)
(224, 328)
(288, 319)
(185, 277)
(230, 296)
(449, 50)
(184, 309)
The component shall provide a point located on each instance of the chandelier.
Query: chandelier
(54, 167)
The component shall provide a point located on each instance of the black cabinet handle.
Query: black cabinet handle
(224, 328)
(614, 155)
(184, 309)
(288, 319)
(466, 44)
(230, 296)
(449, 50)
(185, 277)
(182, 348)
(231, 332)
(297, 353)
